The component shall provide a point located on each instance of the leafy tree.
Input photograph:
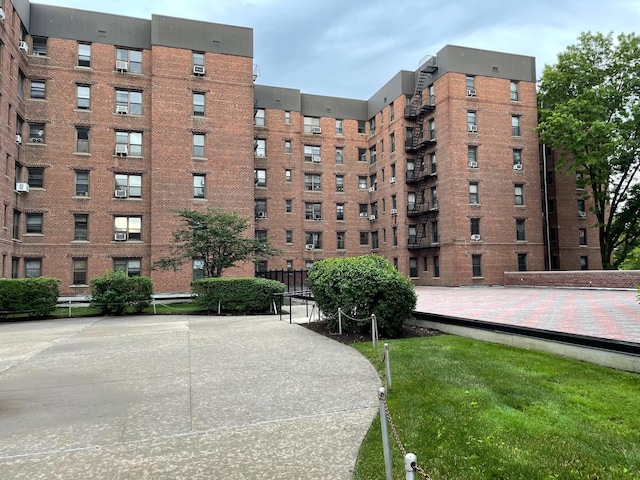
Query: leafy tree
(217, 238)
(590, 113)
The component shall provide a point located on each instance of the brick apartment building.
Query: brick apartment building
(113, 122)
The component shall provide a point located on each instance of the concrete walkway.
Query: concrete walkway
(180, 397)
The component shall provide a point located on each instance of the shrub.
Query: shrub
(364, 285)
(114, 292)
(237, 295)
(35, 296)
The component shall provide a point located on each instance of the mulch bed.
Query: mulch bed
(408, 331)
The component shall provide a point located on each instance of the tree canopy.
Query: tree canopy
(216, 238)
(589, 104)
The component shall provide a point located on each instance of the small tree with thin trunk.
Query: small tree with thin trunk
(217, 239)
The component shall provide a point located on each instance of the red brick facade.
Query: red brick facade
(625, 279)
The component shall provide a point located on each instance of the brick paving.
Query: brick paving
(612, 314)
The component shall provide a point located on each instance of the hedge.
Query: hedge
(237, 295)
(35, 296)
(115, 292)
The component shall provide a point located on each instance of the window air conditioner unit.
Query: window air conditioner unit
(372, 217)
(317, 217)
(262, 215)
(122, 149)
(198, 70)
(364, 214)
(582, 214)
(22, 187)
(475, 237)
(122, 66)
(473, 128)
(2, 15)
(122, 109)
(18, 138)
(394, 211)
(120, 236)
(392, 180)
(471, 92)
(22, 45)
(316, 158)
(517, 166)
(473, 164)
(121, 193)
(36, 140)
(372, 189)
(316, 130)
(309, 246)
(340, 188)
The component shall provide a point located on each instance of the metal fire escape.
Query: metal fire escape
(421, 142)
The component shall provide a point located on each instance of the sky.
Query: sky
(351, 48)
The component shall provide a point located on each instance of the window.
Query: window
(392, 112)
(128, 228)
(363, 209)
(472, 156)
(34, 223)
(260, 147)
(582, 212)
(470, 82)
(410, 168)
(130, 266)
(83, 97)
(312, 182)
(435, 236)
(197, 269)
(260, 177)
(580, 181)
(313, 238)
(79, 271)
(132, 57)
(80, 227)
(259, 117)
(288, 207)
(38, 89)
(84, 55)
(289, 265)
(21, 79)
(339, 126)
(261, 236)
(82, 183)
(287, 146)
(513, 87)
(582, 233)
(372, 126)
(393, 171)
(476, 265)
(518, 193)
(520, 231)
(260, 208)
(474, 198)
(198, 145)
(373, 181)
(35, 176)
(471, 122)
(16, 224)
(413, 235)
(311, 125)
(287, 175)
(36, 133)
(340, 211)
(128, 185)
(312, 153)
(199, 186)
(129, 101)
(434, 197)
(432, 95)
(394, 234)
(288, 236)
(339, 183)
(584, 262)
(436, 266)
(82, 140)
(32, 267)
(413, 267)
(364, 239)
(198, 61)
(39, 46)
(522, 262)
(411, 201)
(362, 182)
(362, 126)
(312, 211)
(392, 142)
(340, 240)
(339, 155)
(287, 116)
(372, 155)
(131, 140)
(375, 242)
(475, 226)
(432, 129)
(517, 158)
(362, 154)
(515, 125)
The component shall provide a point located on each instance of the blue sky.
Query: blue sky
(350, 48)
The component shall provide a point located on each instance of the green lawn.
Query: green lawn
(474, 410)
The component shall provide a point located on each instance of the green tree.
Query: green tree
(216, 238)
(590, 113)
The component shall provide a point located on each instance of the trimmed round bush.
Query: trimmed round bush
(115, 292)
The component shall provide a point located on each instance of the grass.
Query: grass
(473, 410)
(171, 309)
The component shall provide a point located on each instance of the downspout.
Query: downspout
(546, 204)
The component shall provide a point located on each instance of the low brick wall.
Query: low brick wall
(577, 279)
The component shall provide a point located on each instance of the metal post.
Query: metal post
(387, 364)
(374, 330)
(218, 307)
(385, 435)
(409, 461)
(339, 321)
(290, 312)
(69, 308)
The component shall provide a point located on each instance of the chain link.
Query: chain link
(394, 431)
